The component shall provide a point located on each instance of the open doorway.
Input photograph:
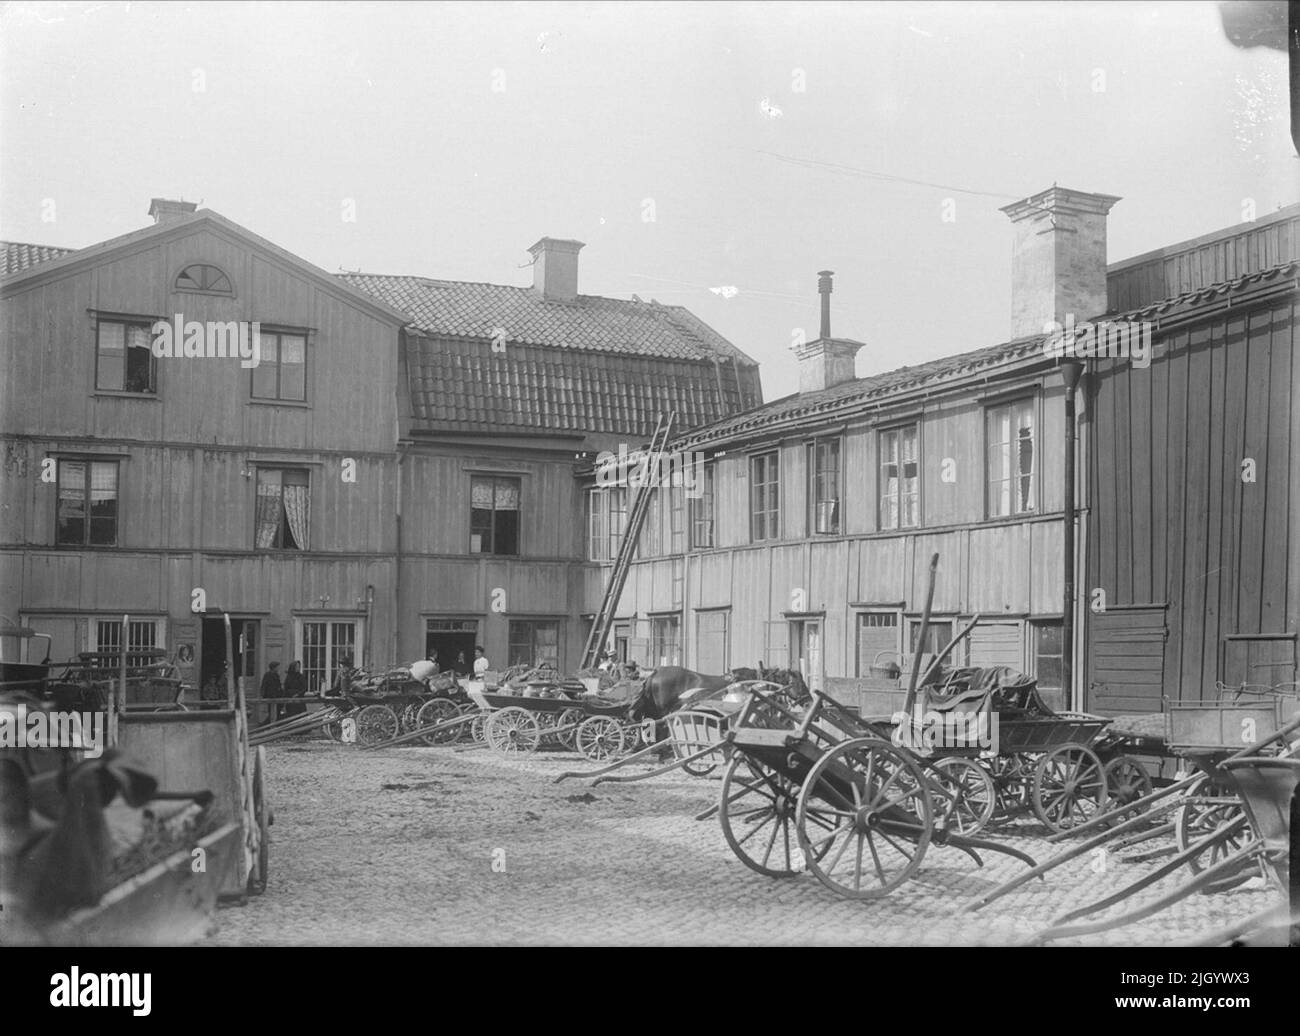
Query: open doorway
(212, 657)
(454, 641)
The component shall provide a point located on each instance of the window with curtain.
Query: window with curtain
(283, 509)
(1010, 459)
(282, 372)
(534, 643)
(900, 492)
(666, 640)
(701, 508)
(494, 515)
(124, 359)
(824, 487)
(764, 496)
(87, 508)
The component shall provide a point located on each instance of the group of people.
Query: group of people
(294, 685)
(428, 666)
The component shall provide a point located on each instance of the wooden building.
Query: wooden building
(809, 539)
(390, 477)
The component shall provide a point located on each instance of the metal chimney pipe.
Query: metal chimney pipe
(824, 288)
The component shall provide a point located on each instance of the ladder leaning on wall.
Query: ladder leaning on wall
(604, 619)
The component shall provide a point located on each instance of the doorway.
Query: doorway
(454, 641)
(212, 657)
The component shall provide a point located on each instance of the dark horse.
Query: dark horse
(664, 687)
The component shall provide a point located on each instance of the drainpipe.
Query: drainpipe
(1071, 371)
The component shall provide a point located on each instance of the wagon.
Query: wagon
(523, 723)
(205, 748)
(824, 791)
(377, 711)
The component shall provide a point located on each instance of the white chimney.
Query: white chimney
(165, 211)
(1058, 259)
(555, 268)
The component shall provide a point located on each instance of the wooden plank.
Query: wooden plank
(1157, 473)
(1280, 589)
(1239, 396)
(1214, 510)
(1256, 445)
(1121, 434)
(1192, 618)
(1102, 493)
(1140, 445)
(1172, 476)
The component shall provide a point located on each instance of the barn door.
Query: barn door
(1126, 652)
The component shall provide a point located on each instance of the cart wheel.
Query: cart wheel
(1194, 820)
(973, 796)
(265, 818)
(512, 730)
(868, 795)
(376, 723)
(599, 738)
(1011, 780)
(333, 730)
(1127, 781)
(757, 812)
(570, 718)
(477, 729)
(438, 710)
(1069, 787)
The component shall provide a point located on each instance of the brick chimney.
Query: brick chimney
(165, 211)
(825, 361)
(1058, 259)
(555, 268)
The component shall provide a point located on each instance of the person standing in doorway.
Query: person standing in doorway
(271, 690)
(481, 663)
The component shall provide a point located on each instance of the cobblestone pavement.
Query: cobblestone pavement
(397, 847)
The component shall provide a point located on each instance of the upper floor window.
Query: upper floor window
(900, 494)
(124, 359)
(282, 372)
(1010, 459)
(652, 531)
(87, 509)
(283, 509)
(764, 496)
(607, 520)
(494, 516)
(824, 488)
(204, 277)
(701, 507)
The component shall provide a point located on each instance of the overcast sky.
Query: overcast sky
(690, 146)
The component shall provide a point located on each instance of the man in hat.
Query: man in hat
(271, 688)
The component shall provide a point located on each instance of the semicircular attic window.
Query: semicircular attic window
(205, 278)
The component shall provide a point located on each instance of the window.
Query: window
(283, 509)
(936, 637)
(202, 277)
(665, 640)
(1010, 468)
(824, 487)
(806, 649)
(282, 372)
(598, 525)
(87, 509)
(141, 636)
(534, 643)
(652, 530)
(676, 519)
(494, 516)
(124, 359)
(877, 640)
(326, 645)
(711, 654)
(701, 508)
(900, 496)
(1048, 654)
(764, 497)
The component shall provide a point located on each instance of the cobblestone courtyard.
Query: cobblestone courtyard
(397, 847)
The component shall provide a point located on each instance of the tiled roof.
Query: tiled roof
(852, 395)
(20, 256)
(460, 385)
(591, 323)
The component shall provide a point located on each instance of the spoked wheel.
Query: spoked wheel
(376, 723)
(1194, 820)
(512, 730)
(973, 796)
(478, 728)
(264, 818)
(333, 730)
(864, 818)
(757, 810)
(1069, 787)
(568, 723)
(1012, 776)
(438, 710)
(1127, 781)
(409, 717)
(599, 738)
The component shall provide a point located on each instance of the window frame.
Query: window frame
(512, 641)
(228, 291)
(898, 625)
(816, 476)
(1030, 401)
(492, 552)
(279, 399)
(158, 636)
(702, 509)
(898, 429)
(330, 647)
(89, 460)
(283, 523)
(126, 321)
(673, 620)
(770, 489)
(1036, 627)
